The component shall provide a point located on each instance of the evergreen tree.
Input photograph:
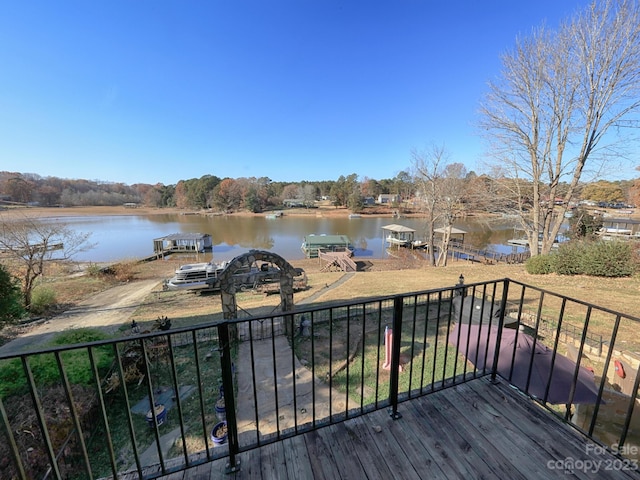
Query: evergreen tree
(11, 308)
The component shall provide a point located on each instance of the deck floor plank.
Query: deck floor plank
(520, 430)
(392, 451)
(272, 461)
(369, 453)
(297, 458)
(493, 433)
(337, 439)
(250, 466)
(553, 439)
(470, 462)
(474, 430)
(321, 458)
(424, 462)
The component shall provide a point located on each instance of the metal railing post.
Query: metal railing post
(224, 339)
(398, 303)
(503, 309)
(12, 441)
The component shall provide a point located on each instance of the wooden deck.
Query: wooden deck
(337, 260)
(473, 430)
(472, 254)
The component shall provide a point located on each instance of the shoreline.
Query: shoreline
(324, 210)
(119, 210)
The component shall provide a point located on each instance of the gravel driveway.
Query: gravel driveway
(108, 310)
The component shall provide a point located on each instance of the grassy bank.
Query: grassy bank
(385, 277)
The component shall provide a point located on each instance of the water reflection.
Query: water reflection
(120, 237)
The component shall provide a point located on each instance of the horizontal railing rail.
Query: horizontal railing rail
(146, 405)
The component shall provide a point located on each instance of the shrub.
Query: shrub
(608, 259)
(11, 307)
(539, 265)
(567, 260)
(45, 368)
(79, 335)
(42, 300)
(583, 224)
(124, 271)
(94, 270)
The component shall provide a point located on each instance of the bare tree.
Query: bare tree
(309, 195)
(440, 190)
(29, 243)
(560, 106)
(452, 192)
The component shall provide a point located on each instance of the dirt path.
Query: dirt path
(108, 310)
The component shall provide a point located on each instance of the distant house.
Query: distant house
(293, 203)
(387, 198)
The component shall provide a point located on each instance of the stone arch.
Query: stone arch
(228, 288)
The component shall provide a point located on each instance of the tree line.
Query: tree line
(207, 192)
(261, 194)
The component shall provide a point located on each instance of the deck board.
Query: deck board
(482, 421)
(473, 430)
(368, 452)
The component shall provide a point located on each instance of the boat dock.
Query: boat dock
(337, 260)
(182, 242)
(314, 243)
(489, 257)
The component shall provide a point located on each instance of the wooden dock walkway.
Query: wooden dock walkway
(472, 254)
(473, 430)
(337, 260)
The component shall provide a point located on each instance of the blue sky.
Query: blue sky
(158, 91)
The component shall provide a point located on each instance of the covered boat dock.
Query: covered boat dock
(182, 242)
(314, 243)
(398, 235)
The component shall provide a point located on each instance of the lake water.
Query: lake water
(123, 237)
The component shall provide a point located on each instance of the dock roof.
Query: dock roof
(397, 228)
(184, 236)
(453, 230)
(322, 239)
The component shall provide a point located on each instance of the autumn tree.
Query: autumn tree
(196, 192)
(603, 191)
(30, 243)
(228, 195)
(371, 187)
(403, 184)
(345, 189)
(20, 189)
(559, 106)
(633, 196)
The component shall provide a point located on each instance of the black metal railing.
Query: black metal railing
(144, 406)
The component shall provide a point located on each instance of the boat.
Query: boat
(314, 243)
(196, 276)
(206, 276)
